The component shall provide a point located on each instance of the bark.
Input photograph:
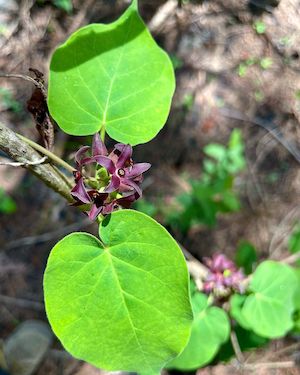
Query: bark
(21, 152)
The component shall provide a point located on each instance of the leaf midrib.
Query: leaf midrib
(134, 329)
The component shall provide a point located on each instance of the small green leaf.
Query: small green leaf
(242, 69)
(210, 330)
(65, 5)
(7, 204)
(123, 303)
(266, 62)
(114, 77)
(246, 256)
(294, 240)
(215, 150)
(269, 309)
(260, 27)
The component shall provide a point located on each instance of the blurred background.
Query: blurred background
(225, 169)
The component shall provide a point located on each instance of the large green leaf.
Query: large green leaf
(113, 76)
(269, 309)
(209, 331)
(123, 303)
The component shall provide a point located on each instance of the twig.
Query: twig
(282, 231)
(162, 14)
(236, 348)
(268, 365)
(21, 152)
(45, 237)
(25, 164)
(291, 259)
(196, 269)
(25, 78)
(267, 125)
(23, 303)
(282, 351)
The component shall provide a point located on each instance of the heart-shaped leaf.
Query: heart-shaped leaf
(114, 77)
(236, 303)
(123, 303)
(268, 310)
(209, 331)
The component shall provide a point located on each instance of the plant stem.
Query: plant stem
(102, 133)
(48, 153)
(236, 347)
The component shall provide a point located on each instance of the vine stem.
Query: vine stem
(236, 347)
(48, 153)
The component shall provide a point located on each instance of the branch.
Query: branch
(25, 78)
(21, 152)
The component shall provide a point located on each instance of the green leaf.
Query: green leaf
(246, 256)
(236, 303)
(296, 316)
(294, 240)
(123, 303)
(7, 204)
(112, 76)
(210, 330)
(260, 27)
(297, 294)
(66, 5)
(266, 63)
(268, 310)
(215, 151)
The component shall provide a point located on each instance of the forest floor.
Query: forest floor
(210, 43)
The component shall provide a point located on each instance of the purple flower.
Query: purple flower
(124, 174)
(116, 181)
(223, 277)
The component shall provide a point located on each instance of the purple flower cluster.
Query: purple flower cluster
(115, 181)
(223, 277)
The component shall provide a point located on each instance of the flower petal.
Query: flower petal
(126, 201)
(94, 212)
(105, 162)
(80, 155)
(126, 152)
(132, 184)
(98, 147)
(114, 184)
(137, 170)
(108, 209)
(79, 192)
